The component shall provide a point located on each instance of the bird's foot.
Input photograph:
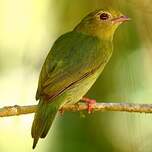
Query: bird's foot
(61, 111)
(90, 103)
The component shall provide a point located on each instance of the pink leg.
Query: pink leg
(61, 111)
(90, 103)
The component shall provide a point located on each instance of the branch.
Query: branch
(124, 107)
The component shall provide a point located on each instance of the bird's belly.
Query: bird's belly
(77, 91)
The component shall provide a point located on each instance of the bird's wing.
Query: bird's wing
(73, 57)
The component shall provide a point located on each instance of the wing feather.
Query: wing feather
(71, 59)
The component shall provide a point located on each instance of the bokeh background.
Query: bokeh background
(28, 29)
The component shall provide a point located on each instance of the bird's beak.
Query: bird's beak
(120, 19)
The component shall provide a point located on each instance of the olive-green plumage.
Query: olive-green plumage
(72, 66)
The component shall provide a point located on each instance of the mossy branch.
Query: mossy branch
(123, 107)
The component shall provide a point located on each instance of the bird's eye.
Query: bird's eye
(104, 16)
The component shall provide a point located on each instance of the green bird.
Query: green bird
(73, 64)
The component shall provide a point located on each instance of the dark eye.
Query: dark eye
(104, 16)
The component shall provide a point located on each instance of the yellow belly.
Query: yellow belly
(77, 91)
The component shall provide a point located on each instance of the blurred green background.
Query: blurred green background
(28, 29)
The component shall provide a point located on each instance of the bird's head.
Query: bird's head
(101, 23)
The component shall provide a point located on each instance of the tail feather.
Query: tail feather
(43, 120)
(35, 142)
(47, 126)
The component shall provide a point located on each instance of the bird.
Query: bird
(74, 63)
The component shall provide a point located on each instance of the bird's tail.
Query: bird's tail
(43, 119)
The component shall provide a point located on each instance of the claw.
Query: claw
(90, 103)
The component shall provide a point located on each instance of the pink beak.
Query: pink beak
(120, 19)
